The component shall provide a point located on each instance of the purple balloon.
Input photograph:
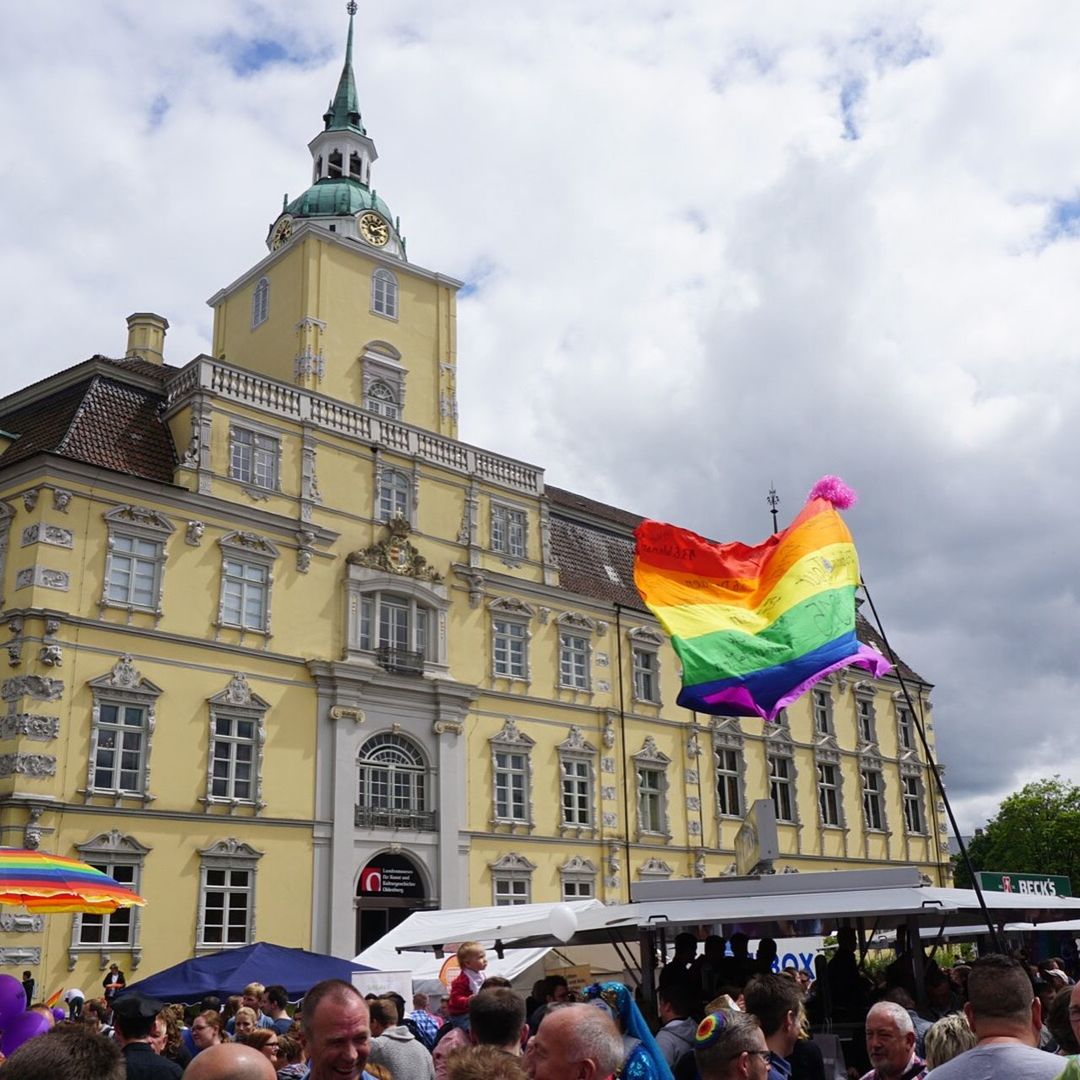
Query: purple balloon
(58, 1013)
(20, 1029)
(12, 997)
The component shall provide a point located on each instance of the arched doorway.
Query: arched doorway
(389, 889)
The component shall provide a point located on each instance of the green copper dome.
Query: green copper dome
(337, 197)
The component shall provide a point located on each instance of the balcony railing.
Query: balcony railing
(399, 661)
(374, 817)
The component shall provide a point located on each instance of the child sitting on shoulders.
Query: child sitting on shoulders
(472, 959)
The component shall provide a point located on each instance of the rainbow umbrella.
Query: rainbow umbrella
(46, 883)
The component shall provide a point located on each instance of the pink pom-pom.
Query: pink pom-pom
(834, 490)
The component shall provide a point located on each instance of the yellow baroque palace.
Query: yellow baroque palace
(292, 660)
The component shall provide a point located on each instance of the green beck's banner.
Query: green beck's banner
(1025, 884)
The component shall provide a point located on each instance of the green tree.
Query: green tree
(1035, 831)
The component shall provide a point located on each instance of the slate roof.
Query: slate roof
(109, 422)
(594, 545)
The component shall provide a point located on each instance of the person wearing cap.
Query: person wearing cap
(731, 1046)
(133, 1019)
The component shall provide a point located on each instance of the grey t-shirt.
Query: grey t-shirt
(1001, 1061)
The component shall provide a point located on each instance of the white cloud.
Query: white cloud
(690, 282)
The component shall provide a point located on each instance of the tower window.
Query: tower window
(260, 303)
(384, 294)
(335, 163)
(356, 167)
(382, 402)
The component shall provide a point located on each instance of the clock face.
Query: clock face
(281, 233)
(374, 230)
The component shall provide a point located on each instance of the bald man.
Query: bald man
(230, 1061)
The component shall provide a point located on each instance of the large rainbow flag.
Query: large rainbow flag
(755, 627)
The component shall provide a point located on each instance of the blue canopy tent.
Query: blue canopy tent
(229, 971)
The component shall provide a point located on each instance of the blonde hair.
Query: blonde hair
(483, 1063)
(245, 1012)
(468, 949)
(949, 1036)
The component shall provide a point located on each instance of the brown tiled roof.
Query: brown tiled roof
(587, 550)
(101, 421)
(868, 634)
(161, 372)
(561, 499)
(594, 562)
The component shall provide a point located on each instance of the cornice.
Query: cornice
(304, 226)
(134, 489)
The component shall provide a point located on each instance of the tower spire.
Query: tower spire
(344, 111)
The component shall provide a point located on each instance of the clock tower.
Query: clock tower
(341, 197)
(336, 307)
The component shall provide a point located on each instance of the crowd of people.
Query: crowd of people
(720, 1016)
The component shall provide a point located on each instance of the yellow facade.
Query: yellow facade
(423, 657)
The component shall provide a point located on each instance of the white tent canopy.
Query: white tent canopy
(887, 898)
(486, 925)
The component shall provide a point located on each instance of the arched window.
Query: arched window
(392, 790)
(382, 400)
(260, 303)
(384, 294)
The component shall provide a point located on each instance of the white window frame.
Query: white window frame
(393, 495)
(865, 713)
(247, 551)
(237, 704)
(137, 525)
(509, 530)
(577, 784)
(729, 781)
(575, 652)
(782, 780)
(392, 785)
(905, 730)
(122, 688)
(382, 401)
(426, 602)
(873, 795)
(227, 857)
(385, 294)
(260, 302)
(379, 608)
(830, 793)
(913, 797)
(577, 879)
(381, 363)
(651, 764)
(645, 642)
(821, 711)
(120, 856)
(510, 637)
(511, 757)
(511, 880)
(254, 457)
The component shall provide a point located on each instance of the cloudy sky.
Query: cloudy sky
(709, 248)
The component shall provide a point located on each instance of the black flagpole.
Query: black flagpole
(917, 720)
